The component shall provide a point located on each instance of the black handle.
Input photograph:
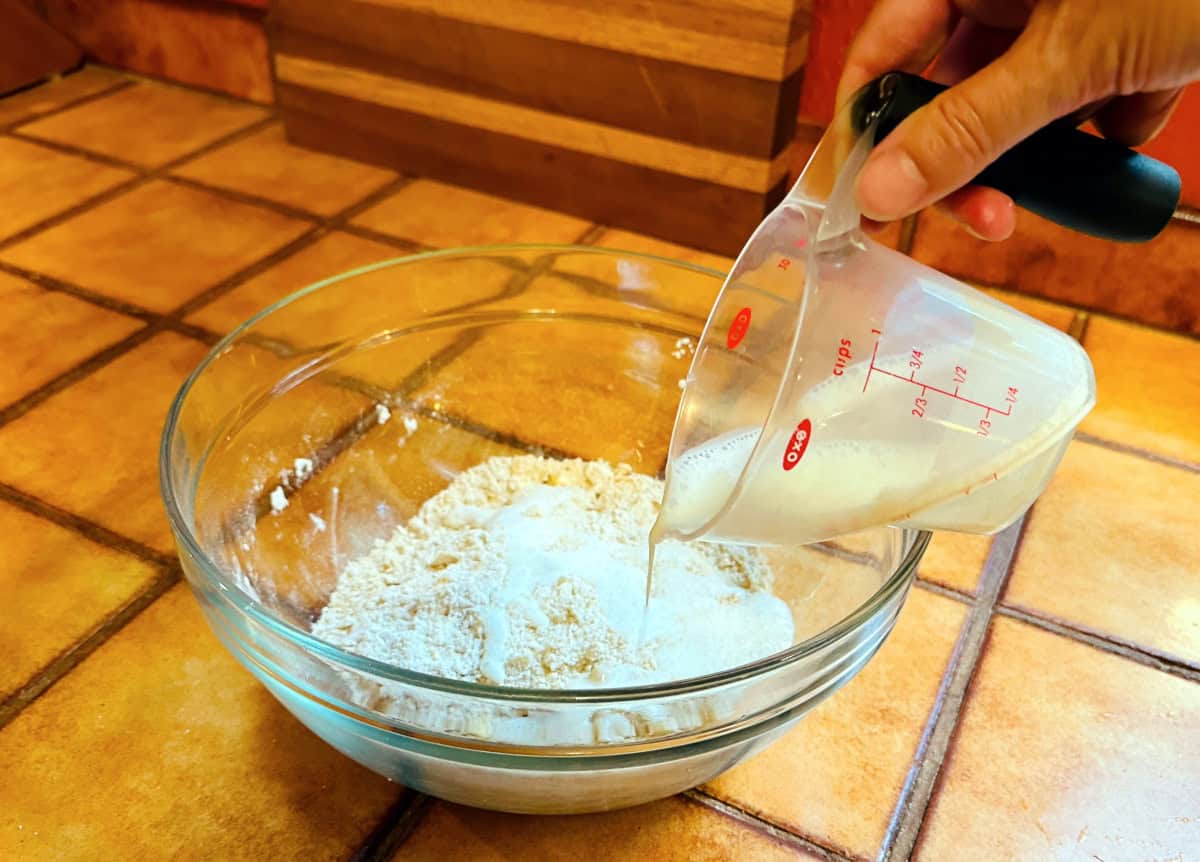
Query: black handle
(1078, 180)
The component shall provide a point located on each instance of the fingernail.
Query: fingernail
(890, 186)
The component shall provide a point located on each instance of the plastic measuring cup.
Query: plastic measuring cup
(840, 385)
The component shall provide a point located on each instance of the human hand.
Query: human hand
(1015, 66)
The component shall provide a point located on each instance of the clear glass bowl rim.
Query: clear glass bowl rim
(189, 545)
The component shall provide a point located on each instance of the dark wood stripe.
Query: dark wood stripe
(709, 108)
(676, 208)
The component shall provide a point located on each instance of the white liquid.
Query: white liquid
(839, 490)
(893, 472)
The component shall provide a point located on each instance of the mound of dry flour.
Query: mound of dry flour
(530, 572)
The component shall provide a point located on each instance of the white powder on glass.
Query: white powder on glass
(530, 572)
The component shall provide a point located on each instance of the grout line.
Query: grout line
(909, 814)
(192, 330)
(252, 128)
(373, 235)
(592, 235)
(110, 303)
(1105, 642)
(385, 191)
(73, 375)
(491, 434)
(65, 106)
(78, 152)
(175, 84)
(97, 533)
(752, 821)
(1079, 325)
(96, 200)
(944, 591)
(401, 819)
(908, 233)
(69, 659)
(142, 176)
(1126, 449)
(230, 283)
(245, 198)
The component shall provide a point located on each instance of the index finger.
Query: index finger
(898, 35)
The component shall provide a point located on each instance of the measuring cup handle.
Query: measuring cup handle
(1075, 179)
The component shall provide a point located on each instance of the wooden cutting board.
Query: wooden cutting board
(670, 117)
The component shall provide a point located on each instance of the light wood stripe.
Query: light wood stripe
(594, 24)
(596, 139)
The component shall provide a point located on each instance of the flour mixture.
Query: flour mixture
(531, 572)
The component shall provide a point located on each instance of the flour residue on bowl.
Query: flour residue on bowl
(531, 572)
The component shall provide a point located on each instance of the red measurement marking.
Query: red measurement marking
(737, 329)
(801, 243)
(785, 263)
(797, 445)
(915, 360)
(871, 367)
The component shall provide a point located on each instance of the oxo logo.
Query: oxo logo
(797, 445)
(737, 329)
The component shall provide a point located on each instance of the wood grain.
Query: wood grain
(688, 211)
(758, 38)
(672, 117)
(706, 107)
(636, 148)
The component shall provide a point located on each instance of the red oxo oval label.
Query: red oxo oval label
(797, 445)
(737, 329)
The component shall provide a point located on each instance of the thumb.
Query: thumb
(949, 142)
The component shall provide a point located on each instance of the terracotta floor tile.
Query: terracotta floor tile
(266, 165)
(57, 587)
(1066, 752)
(56, 92)
(399, 294)
(641, 282)
(37, 183)
(156, 246)
(93, 448)
(837, 775)
(955, 560)
(442, 215)
(1154, 282)
(627, 241)
(160, 746)
(567, 369)
(148, 124)
(1058, 316)
(333, 254)
(1112, 546)
(672, 830)
(575, 290)
(1147, 388)
(45, 333)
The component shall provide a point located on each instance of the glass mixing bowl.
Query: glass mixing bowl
(358, 398)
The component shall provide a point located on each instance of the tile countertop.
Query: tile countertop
(1039, 698)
